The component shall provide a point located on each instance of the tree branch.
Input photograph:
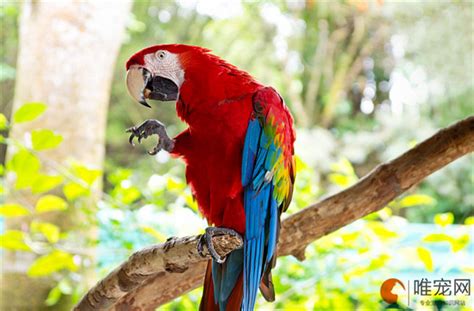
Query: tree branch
(146, 280)
(175, 256)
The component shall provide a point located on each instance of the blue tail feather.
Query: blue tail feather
(225, 276)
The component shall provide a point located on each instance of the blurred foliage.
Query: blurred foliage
(365, 81)
(58, 252)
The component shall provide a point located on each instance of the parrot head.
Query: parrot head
(157, 72)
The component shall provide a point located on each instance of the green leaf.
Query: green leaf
(65, 287)
(384, 213)
(425, 256)
(154, 233)
(49, 230)
(44, 183)
(468, 269)
(29, 112)
(73, 191)
(55, 261)
(350, 237)
(53, 296)
(26, 167)
(190, 201)
(340, 179)
(14, 240)
(13, 210)
(355, 273)
(457, 244)
(460, 243)
(343, 173)
(301, 166)
(379, 262)
(87, 174)
(381, 230)
(49, 203)
(9, 9)
(444, 219)
(343, 166)
(437, 237)
(416, 199)
(3, 122)
(119, 175)
(45, 139)
(130, 194)
(172, 184)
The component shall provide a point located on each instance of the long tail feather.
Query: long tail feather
(235, 300)
(223, 284)
(207, 301)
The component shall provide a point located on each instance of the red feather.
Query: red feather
(235, 299)
(207, 301)
(216, 102)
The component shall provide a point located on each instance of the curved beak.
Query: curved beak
(142, 85)
(137, 80)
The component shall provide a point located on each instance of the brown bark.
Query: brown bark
(177, 255)
(369, 195)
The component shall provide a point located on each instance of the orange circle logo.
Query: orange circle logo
(386, 290)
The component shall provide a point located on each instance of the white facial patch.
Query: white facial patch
(165, 64)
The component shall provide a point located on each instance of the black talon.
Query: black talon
(134, 133)
(207, 238)
(155, 150)
(130, 139)
(148, 128)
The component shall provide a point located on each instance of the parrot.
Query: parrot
(238, 149)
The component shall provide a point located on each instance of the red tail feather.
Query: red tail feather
(235, 299)
(207, 301)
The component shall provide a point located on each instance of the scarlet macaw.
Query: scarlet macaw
(238, 151)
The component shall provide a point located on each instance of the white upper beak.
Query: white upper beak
(136, 84)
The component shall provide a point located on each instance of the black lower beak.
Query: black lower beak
(159, 88)
(144, 103)
(163, 89)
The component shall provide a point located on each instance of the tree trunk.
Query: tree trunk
(66, 60)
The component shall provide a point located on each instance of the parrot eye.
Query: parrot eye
(160, 54)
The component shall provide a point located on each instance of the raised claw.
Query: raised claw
(148, 128)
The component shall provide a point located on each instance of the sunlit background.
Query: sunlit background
(365, 81)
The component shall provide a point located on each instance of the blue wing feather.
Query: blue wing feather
(261, 209)
(266, 183)
(272, 228)
(252, 140)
